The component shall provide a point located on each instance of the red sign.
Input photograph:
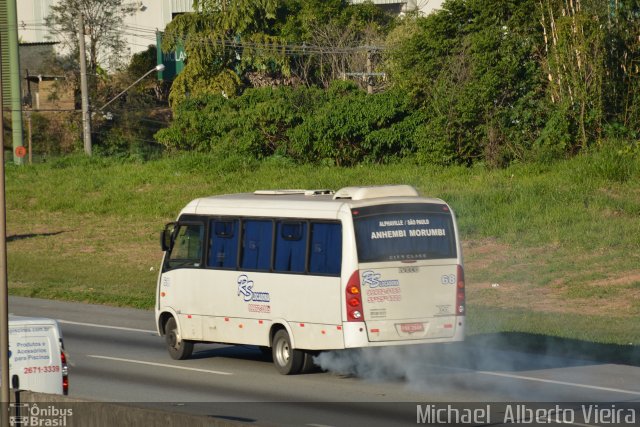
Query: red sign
(21, 151)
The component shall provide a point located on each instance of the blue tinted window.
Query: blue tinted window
(223, 249)
(291, 246)
(403, 232)
(325, 255)
(256, 245)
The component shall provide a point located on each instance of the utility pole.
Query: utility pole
(368, 75)
(369, 71)
(4, 289)
(14, 79)
(86, 114)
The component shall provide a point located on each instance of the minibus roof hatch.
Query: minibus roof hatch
(361, 193)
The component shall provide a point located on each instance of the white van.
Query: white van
(36, 355)
(302, 271)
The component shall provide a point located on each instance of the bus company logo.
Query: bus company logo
(30, 415)
(245, 288)
(372, 279)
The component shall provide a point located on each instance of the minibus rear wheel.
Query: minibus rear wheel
(179, 349)
(288, 360)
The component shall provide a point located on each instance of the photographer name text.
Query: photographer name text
(524, 414)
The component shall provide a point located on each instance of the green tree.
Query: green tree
(223, 40)
(234, 44)
(623, 65)
(591, 60)
(103, 22)
(342, 39)
(472, 67)
(575, 34)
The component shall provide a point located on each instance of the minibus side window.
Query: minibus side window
(326, 249)
(223, 247)
(291, 246)
(187, 246)
(256, 245)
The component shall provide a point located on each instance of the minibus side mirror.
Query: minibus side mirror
(166, 237)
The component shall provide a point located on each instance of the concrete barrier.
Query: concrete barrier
(39, 409)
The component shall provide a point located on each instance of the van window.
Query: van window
(326, 249)
(223, 247)
(291, 246)
(404, 232)
(256, 245)
(187, 246)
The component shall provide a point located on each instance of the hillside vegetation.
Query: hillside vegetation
(549, 248)
(490, 81)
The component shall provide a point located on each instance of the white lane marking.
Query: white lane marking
(319, 425)
(497, 374)
(548, 421)
(162, 365)
(95, 325)
(521, 377)
(542, 380)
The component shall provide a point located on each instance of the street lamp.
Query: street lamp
(159, 67)
(86, 116)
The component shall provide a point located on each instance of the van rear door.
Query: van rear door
(35, 354)
(409, 270)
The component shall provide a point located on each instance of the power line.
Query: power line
(284, 48)
(288, 48)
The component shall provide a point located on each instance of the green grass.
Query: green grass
(559, 240)
(84, 257)
(595, 328)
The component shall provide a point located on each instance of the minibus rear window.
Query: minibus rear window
(404, 232)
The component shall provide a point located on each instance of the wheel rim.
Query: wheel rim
(173, 338)
(283, 352)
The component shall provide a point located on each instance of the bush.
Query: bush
(354, 127)
(122, 144)
(342, 125)
(556, 139)
(255, 123)
(615, 160)
(55, 133)
(433, 144)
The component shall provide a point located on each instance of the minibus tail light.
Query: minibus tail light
(354, 298)
(460, 297)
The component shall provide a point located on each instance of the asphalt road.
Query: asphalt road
(115, 355)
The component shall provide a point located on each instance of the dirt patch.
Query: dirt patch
(520, 286)
(481, 254)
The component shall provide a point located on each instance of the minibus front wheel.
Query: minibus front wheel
(288, 360)
(179, 349)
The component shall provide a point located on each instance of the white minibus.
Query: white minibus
(301, 271)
